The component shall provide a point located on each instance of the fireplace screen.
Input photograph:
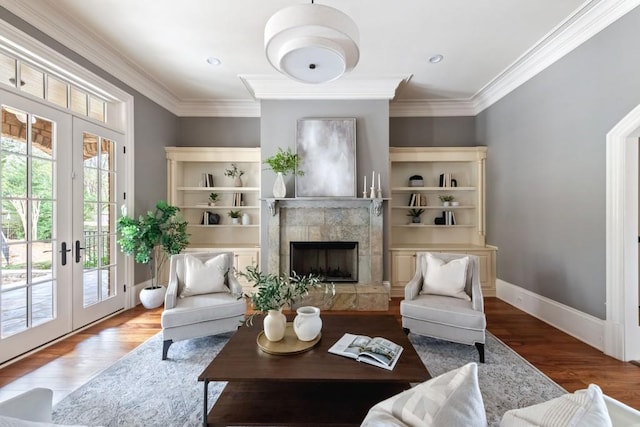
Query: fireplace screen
(332, 261)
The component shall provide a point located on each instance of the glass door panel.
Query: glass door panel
(101, 293)
(34, 285)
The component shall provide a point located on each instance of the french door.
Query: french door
(97, 156)
(58, 193)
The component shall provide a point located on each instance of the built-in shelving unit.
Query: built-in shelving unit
(186, 171)
(460, 229)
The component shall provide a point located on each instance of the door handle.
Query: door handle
(64, 251)
(78, 248)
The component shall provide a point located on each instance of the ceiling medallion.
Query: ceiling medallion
(311, 43)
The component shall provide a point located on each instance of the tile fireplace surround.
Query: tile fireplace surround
(336, 220)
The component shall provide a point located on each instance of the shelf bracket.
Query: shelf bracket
(271, 203)
(377, 206)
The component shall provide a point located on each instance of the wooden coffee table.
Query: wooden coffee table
(311, 388)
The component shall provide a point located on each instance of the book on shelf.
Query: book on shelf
(446, 180)
(376, 351)
(450, 217)
(207, 180)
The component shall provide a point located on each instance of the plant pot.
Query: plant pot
(274, 324)
(446, 203)
(416, 220)
(235, 220)
(212, 203)
(307, 324)
(152, 297)
(279, 187)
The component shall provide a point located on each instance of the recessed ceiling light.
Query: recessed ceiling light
(436, 58)
(214, 61)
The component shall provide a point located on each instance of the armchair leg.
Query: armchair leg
(406, 331)
(480, 348)
(165, 348)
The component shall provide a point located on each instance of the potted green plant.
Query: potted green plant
(235, 173)
(235, 216)
(213, 198)
(446, 199)
(415, 215)
(271, 294)
(283, 163)
(151, 239)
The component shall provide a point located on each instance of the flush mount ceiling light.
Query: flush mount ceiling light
(311, 43)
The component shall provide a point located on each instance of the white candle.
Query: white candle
(373, 178)
(378, 181)
(365, 182)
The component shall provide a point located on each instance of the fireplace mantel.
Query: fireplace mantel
(324, 202)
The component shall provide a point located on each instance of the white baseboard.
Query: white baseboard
(586, 328)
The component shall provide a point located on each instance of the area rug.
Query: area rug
(142, 390)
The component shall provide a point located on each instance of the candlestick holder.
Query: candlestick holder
(379, 193)
(364, 194)
(373, 192)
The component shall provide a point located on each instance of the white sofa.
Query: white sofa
(454, 399)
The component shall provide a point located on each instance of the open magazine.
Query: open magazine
(375, 351)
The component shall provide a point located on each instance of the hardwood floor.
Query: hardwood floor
(68, 364)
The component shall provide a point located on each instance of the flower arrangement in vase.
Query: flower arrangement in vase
(272, 293)
(283, 163)
(235, 173)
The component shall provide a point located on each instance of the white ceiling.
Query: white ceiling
(159, 47)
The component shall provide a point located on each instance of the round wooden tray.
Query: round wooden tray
(290, 344)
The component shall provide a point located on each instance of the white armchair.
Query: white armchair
(441, 316)
(202, 297)
(33, 405)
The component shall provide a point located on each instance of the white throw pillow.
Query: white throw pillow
(584, 408)
(204, 277)
(445, 278)
(451, 399)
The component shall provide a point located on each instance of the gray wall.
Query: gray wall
(278, 129)
(432, 131)
(155, 127)
(219, 132)
(546, 167)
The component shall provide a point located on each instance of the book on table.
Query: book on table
(376, 351)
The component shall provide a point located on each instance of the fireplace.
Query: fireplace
(334, 262)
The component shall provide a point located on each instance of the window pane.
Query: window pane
(33, 80)
(14, 311)
(43, 219)
(90, 287)
(14, 130)
(13, 271)
(96, 108)
(106, 154)
(42, 142)
(7, 70)
(13, 181)
(42, 307)
(78, 101)
(57, 92)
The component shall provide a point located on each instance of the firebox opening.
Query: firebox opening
(332, 261)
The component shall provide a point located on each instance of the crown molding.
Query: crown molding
(274, 87)
(46, 18)
(432, 108)
(590, 19)
(221, 108)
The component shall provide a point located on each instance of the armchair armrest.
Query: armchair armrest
(476, 288)
(171, 296)
(412, 289)
(234, 284)
(34, 405)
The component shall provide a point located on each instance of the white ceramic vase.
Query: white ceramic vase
(279, 187)
(246, 220)
(274, 325)
(307, 324)
(237, 181)
(152, 297)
